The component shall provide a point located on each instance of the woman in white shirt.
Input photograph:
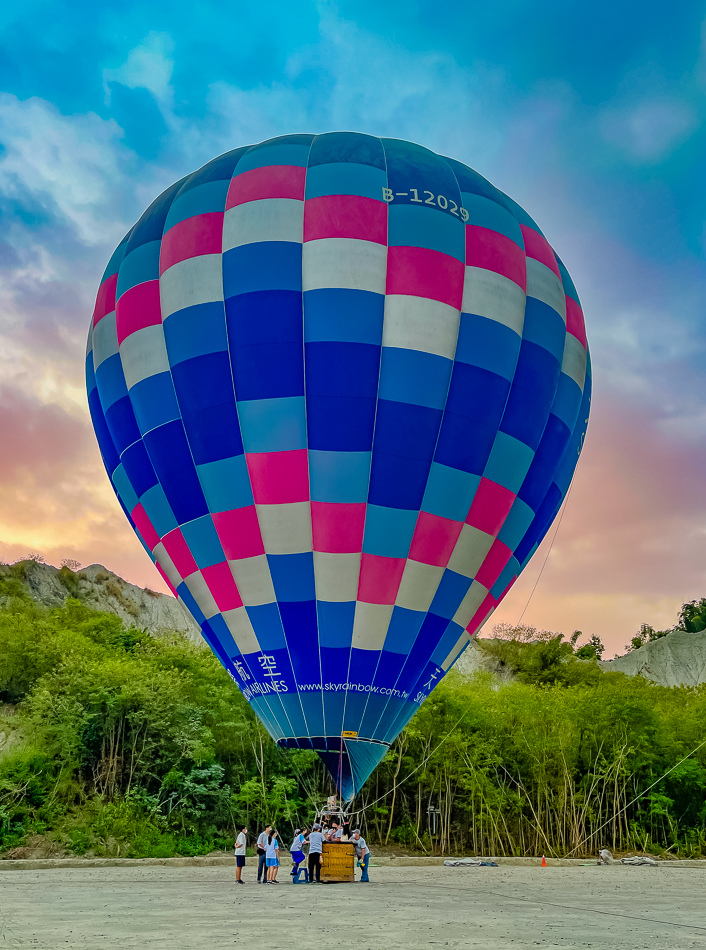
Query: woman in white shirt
(272, 857)
(297, 850)
(240, 845)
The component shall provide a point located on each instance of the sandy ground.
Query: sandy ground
(620, 908)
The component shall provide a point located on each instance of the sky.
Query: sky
(591, 116)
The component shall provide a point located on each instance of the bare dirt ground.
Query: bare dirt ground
(620, 908)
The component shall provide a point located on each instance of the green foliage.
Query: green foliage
(124, 744)
(692, 616)
(593, 650)
(646, 635)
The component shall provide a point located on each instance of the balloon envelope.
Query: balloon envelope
(340, 385)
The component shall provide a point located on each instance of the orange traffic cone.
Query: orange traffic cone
(544, 861)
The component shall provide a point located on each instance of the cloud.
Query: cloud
(149, 65)
(65, 163)
(647, 131)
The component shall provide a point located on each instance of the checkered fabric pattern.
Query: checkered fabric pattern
(340, 385)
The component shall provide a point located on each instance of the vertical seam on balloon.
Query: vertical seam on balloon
(438, 433)
(415, 685)
(308, 469)
(563, 496)
(372, 442)
(186, 435)
(100, 402)
(266, 696)
(237, 412)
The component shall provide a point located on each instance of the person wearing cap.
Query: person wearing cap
(297, 850)
(362, 852)
(240, 845)
(316, 854)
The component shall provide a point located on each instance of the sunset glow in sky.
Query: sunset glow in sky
(591, 116)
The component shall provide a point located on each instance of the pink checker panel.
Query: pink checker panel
(221, 583)
(139, 307)
(202, 234)
(144, 526)
(539, 248)
(279, 478)
(239, 532)
(345, 216)
(491, 506)
(434, 539)
(494, 251)
(574, 321)
(338, 528)
(178, 550)
(105, 301)
(489, 603)
(379, 578)
(495, 561)
(419, 272)
(273, 181)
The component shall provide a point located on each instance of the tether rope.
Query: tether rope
(544, 564)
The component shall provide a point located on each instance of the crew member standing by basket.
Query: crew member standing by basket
(362, 852)
(297, 850)
(316, 849)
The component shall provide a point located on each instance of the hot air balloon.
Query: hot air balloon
(340, 385)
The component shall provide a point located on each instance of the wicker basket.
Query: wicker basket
(338, 862)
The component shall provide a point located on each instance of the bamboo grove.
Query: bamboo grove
(116, 742)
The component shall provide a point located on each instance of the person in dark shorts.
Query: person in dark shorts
(240, 845)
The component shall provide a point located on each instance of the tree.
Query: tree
(646, 635)
(593, 650)
(692, 616)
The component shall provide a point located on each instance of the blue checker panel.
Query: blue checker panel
(339, 476)
(267, 265)
(414, 377)
(213, 433)
(195, 331)
(139, 266)
(303, 384)
(207, 198)
(203, 542)
(343, 316)
(226, 483)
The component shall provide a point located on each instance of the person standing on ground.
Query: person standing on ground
(262, 855)
(297, 850)
(316, 848)
(362, 852)
(240, 845)
(272, 858)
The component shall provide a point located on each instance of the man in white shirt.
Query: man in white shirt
(362, 852)
(240, 845)
(316, 847)
(262, 855)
